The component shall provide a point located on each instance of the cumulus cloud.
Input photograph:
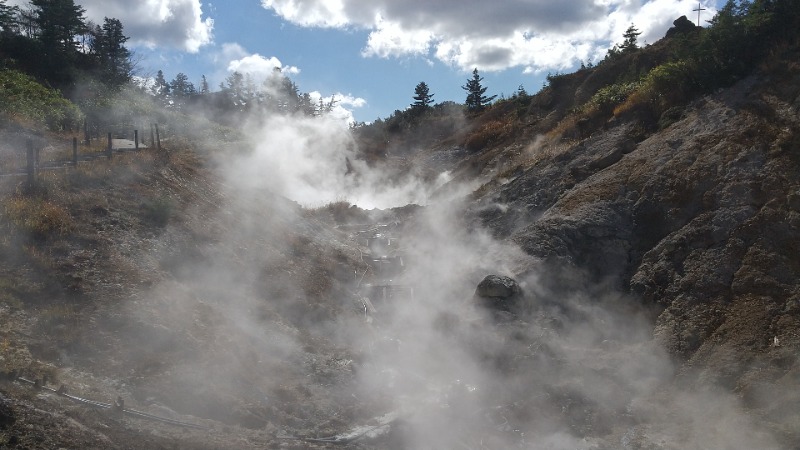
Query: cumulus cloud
(164, 23)
(260, 67)
(533, 34)
(235, 58)
(321, 13)
(390, 39)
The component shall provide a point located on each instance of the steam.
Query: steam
(577, 369)
(242, 317)
(313, 161)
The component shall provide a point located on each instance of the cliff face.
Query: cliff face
(701, 220)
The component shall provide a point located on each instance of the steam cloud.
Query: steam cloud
(576, 369)
(313, 161)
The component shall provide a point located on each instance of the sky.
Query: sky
(371, 54)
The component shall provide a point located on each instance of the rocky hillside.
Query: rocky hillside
(699, 220)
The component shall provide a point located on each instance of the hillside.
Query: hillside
(644, 247)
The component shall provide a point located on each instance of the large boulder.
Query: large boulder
(681, 25)
(499, 293)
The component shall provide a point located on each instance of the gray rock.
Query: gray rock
(496, 286)
(501, 295)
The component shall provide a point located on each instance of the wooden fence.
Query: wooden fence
(35, 148)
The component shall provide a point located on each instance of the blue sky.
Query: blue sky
(371, 54)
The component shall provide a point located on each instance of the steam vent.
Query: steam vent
(589, 241)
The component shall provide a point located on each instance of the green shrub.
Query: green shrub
(158, 211)
(24, 98)
(666, 86)
(607, 98)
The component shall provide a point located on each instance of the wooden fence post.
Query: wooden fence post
(152, 136)
(158, 139)
(75, 151)
(136, 139)
(109, 149)
(31, 168)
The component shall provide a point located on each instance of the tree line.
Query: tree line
(236, 96)
(53, 41)
(89, 63)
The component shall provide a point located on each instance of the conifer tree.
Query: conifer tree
(422, 97)
(160, 87)
(204, 85)
(109, 47)
(630, 37)
(181, 88)
(58, 22)
(476, 100)
(8, 21)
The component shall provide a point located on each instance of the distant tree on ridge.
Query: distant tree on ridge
(476, 100)
(422, 97)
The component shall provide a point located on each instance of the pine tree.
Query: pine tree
(181, 88)
(160, 87)
(235, 92)
(8, 21)
(307, 105)
(108, 45)
(58, 22)
(422, 97)
(476, 100)
(204, 85)
(630, 37)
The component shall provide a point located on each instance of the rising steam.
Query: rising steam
(575, 369)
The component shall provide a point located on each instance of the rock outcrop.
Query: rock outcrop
(700, 220)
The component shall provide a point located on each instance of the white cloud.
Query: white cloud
(260, 67)
(536, 35)
(390, 39)
(235, 58)
(156, 23)
(323, 13)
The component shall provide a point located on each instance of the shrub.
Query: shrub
(666, 86)
(608, 97)
(23, 97)
(158, 211)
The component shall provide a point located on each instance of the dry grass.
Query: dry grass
(58, 314)
(490, 132)
(564, 128)
(37, 217)
(10, 289)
